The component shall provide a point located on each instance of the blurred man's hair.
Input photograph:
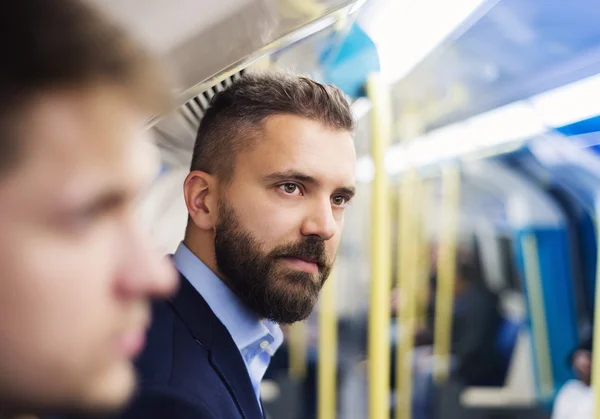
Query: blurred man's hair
(56, 45)
(233, 121)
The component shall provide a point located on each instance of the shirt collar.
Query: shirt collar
(244, 326)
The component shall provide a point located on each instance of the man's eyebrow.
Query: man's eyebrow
(106, 201)
(291, 175)
(347, 190)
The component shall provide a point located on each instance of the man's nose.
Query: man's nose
(320, 221)
(145, 272)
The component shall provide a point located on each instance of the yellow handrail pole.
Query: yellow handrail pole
(424, 255)
(297, 351)
(408, 275)
(379, 304)
(327, 369)
(596, 338)
(446, 273)
(539, 328)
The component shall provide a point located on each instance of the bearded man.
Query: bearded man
(272, 172)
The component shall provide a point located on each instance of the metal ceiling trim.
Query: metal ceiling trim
(183, 95)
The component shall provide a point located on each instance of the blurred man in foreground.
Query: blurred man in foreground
(76, 274)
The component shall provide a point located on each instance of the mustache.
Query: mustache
(310, 250)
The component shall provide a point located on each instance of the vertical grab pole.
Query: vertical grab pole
(539, 328)
(298, 351)
(379, 304)
(424, 256)
(407, 280)
(446, 273)
(327, 369)
(410, 238)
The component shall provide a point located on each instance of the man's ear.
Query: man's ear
(200, 193)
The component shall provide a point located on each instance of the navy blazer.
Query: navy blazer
(191, 367)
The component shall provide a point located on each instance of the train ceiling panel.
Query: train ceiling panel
(516, 50)
(204, 41)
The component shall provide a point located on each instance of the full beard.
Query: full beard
(264, 282)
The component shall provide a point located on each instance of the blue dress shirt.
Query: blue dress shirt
(256, 339)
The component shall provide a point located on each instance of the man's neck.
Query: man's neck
(203, 249)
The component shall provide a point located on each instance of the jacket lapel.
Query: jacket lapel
(229, 364)
(224, 355)
(262, 408)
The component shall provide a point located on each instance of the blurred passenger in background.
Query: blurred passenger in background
(272, 173)
(76, 274)
(575, 400)
(581, 361)
(475, 326)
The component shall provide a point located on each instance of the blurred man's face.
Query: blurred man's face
(280, 220)
(75, 271)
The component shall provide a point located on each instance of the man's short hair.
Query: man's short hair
(54, 45)
(230, 124)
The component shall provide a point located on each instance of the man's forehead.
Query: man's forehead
(73, 147)
(295, 144)
(127, 174)
(98, 119)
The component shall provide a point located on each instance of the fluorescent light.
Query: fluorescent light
(406, 31)
(500, 128)
(497, 128)
(568, 104)
(507, 123)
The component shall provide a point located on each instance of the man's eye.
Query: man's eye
(340, 201)
(77, 222)
(290, 188)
